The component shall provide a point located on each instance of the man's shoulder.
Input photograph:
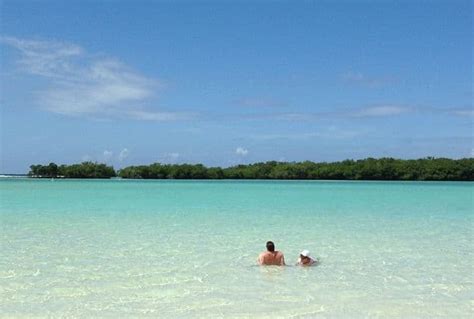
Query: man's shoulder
(272, 254)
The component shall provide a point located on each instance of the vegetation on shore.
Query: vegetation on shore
(435, 169)
(82, 170)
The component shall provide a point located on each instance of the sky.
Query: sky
(231, 82)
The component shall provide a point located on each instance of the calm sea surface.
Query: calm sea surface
(179, 249)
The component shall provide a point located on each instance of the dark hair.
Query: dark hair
(270, 246)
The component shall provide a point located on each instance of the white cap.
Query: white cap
(305, 253)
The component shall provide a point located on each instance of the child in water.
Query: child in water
(305, 259)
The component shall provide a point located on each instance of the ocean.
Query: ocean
(188, 249)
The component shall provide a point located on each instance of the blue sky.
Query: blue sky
(222, 83)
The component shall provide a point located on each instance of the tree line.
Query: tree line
(82, 170)
(434, 169)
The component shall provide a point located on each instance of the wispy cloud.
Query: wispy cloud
(81, 84)
(261, 102)
(364, 112)
(379, 111)
(241, 151)
(46, 58)
(331, 132)
(463, 112)
(362, 79)
(107, 155)
(123, 154)
(170, 158)
(298, 117)
(460, 112)
(161, 116)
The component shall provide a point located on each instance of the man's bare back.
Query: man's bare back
(271, 257)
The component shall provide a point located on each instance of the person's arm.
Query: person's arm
(298, 262)
(260, 259)
(282, 260)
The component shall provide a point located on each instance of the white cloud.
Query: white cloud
(46, 58)
(241, 151)
(160, 116)
(297, 116)
(376, 111)
(365, 80)
(123, 154)
(88, 85)
(331, 132)
(261, 102)
(379, 111)
(107, 155)
(170, 158)
(172, 155)
(464, 112)
(367, 112)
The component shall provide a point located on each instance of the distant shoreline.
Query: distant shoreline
(6, 176)
(370, 169)
(13, 175)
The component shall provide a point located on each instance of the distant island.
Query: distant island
(425, 169)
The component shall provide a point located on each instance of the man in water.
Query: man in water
(271, 257)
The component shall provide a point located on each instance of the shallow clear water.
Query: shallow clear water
(179, 249)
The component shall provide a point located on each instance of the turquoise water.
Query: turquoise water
(176, 249)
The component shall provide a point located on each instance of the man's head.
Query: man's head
(270, 246)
